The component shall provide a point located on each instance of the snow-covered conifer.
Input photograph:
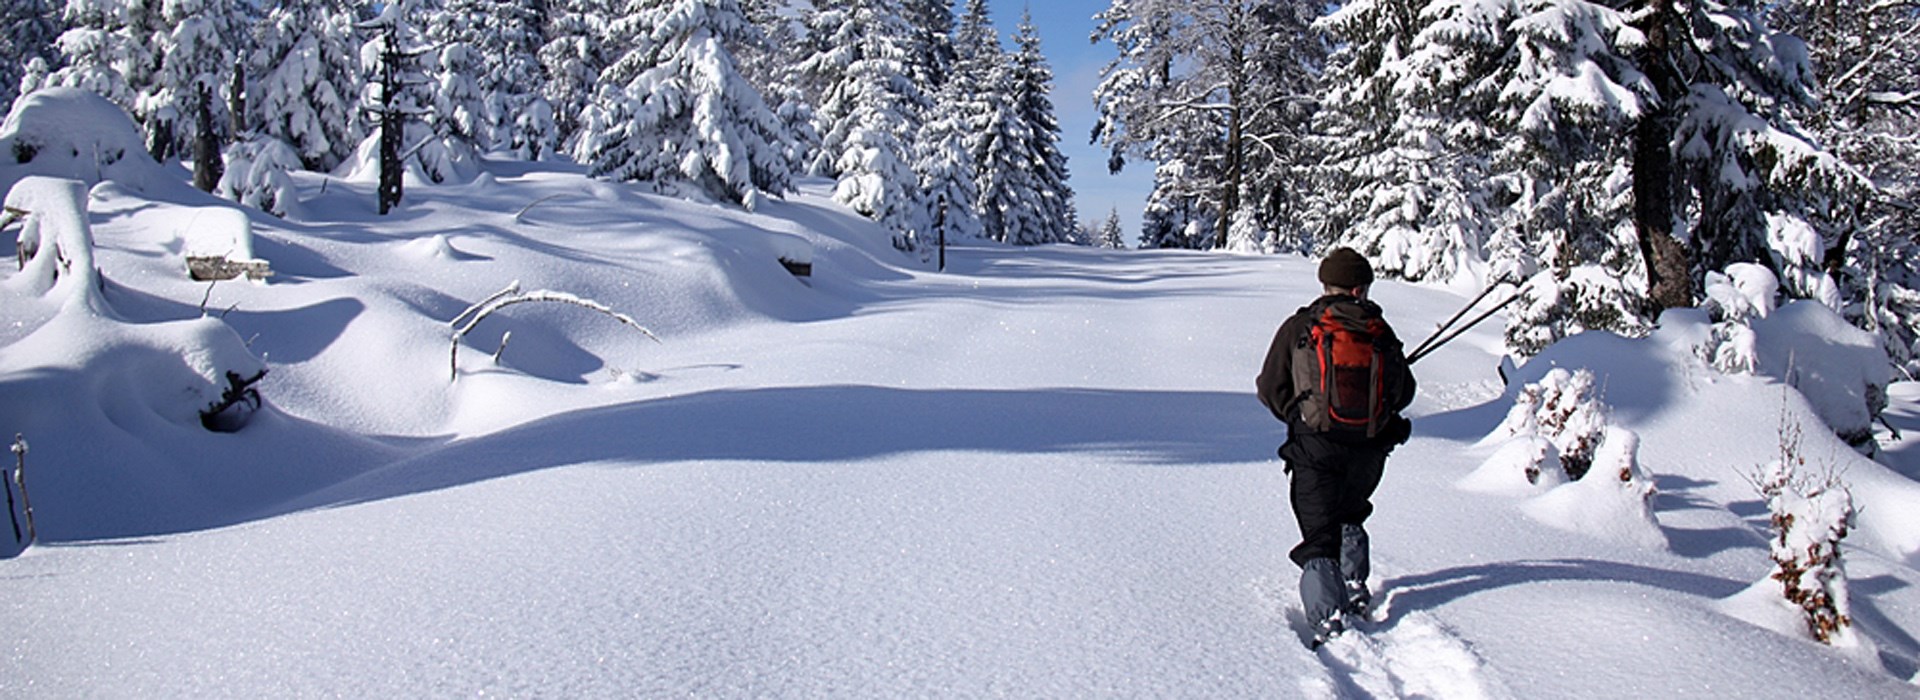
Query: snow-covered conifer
(112, 48)
(1214, 85)
(1110, 235)
(675, 109)
(870, 108)
(28, 29)
(1048, 196)
(489, 74)
(257, 174)
(572, 58)
(305, 82)
(197, 59)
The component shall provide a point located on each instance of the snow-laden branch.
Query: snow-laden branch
(512, 295)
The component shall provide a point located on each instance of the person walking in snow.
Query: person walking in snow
(1338, 377)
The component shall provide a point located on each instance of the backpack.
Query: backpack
(1341, 366)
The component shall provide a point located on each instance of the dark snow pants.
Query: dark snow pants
(1333, 480)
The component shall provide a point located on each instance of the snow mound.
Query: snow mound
(1611, 502)
(73, 134)
(1842, 370)
(58, 240)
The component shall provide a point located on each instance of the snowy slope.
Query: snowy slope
(1040, 473)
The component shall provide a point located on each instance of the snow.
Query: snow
(1040, 473)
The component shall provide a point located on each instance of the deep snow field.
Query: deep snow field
(1040, 473)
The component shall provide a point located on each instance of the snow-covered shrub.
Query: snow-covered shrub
(1735, 298)
(258, 175)
(1564, 410)
(1810, 516)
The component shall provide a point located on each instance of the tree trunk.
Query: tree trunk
(1669, 266)
(207, 163)
(392, 124)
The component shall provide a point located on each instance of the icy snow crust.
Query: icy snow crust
(1041, 473)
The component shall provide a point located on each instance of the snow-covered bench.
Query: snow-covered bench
(219, 246)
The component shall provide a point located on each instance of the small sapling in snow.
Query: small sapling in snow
(1809, 515)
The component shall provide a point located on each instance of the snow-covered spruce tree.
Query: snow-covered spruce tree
(675, 110)
(772, 66)
(1809, 516)
(197, 60)
(398, 96)
(980, 95)
(870, 109)
(1110, 234)
(1735, 298)
(28, 29)
(1175, 216)
(1049, 196)
(304, 80)
(946, 168)
(1410, 175)
(112, 48)
(490, 85)
(1192, 84)
(1716, 147)
(1869, 61)
(257, 174)
(572, 58)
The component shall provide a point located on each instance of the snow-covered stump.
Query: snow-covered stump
(219, 246)
(795, 254)
(55, 244)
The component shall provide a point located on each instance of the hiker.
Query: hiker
(1338, 377)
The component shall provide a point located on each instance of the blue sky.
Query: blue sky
(1064, 26)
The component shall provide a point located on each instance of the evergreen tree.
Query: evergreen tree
(675, 108)
(1716, 147)
(870, 108)
(28, 29)
(979, 97)
(1192, 84)
(397, 97)
(112, 48)
(1048, 196)
(304, 80)
(1867, 113)
(197, 58)
(496, 43)
(772, 66)
(1110, 234)
(946, 168)
(572, 58)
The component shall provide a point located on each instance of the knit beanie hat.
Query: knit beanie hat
(1346, 269)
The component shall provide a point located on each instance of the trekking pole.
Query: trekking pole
(20, 480)
(1427, 348)
(6, 479)
(1417, 350)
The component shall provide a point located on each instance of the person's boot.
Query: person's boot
(1354, 569)
(1322, 597)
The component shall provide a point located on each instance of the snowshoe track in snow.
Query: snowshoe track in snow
(1394, 655)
